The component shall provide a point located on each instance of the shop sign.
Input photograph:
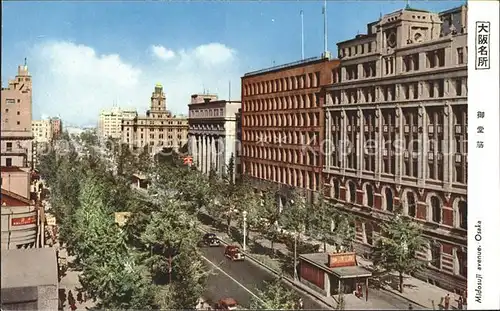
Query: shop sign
(23, 221)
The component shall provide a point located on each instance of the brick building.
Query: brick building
(57, 127)
(396, 127)
(282, 122)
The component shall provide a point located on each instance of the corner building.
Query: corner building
(158, 129)
(396, 123)
(282, 122)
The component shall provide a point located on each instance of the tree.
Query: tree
(144, 161)
(270, 211)
(344, 231)
(321, 212)
(276, 296)
(295, 216)
(398, 245)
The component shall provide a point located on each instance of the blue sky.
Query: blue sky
(85, 56)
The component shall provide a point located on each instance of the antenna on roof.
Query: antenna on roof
(407, 4)
(229, 90)
(25, 62)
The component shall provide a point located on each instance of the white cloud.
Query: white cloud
(162, 53)
(76, 82)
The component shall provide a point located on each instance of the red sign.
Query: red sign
(341, 260)
(23, 221)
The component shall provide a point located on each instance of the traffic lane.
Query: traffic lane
(251, 275)
(220, 286)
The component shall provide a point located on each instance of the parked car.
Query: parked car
(233, 252)
(211, 239)
(226, 304)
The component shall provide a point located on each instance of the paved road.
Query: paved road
(239, 279)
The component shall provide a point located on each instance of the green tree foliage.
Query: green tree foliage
(144, 161)
(398, 245)
(269, 215)
(276, 296)
(321, 216)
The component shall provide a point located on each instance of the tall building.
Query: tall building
(282, 122)
(110, 121)
(57, 127)
(42, 130)
(158, 129)
(16, 135)
(396, 133)
(212, 132)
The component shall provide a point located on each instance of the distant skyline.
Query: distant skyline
(87, 56)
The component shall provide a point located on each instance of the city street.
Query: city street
(239, 280)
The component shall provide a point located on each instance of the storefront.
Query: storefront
(334, 273)
(140, 181)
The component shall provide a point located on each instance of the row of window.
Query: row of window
(183, 122)
(207, 127)
(283, 84)
(303, 101)
(209, 112)
(282, 120)
(438, 88)
(299, 138)
(283, 155)
(285, 175)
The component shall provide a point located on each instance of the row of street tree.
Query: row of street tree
(152, 262)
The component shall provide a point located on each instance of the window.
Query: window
(436, 255)
(436, 209)
(410, 200)
(462, 214)
(8, 162)
(460, 56)
(9, 146)
(458, 87)
(18, 123)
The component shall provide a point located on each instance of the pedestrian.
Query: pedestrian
(71, 299)
(447, 302)
(465, 297)
(460, 303)
(73, 307)
(84, 297)
(301, 303)
(79, 297)
(410, 307)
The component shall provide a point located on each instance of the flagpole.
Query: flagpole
(302, 32)
(325, 28)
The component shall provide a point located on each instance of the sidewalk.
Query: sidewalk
(416, 292)
(70, 282)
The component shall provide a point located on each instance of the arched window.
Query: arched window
(336, 189)
(435, 250)
(352, 192)
(369, 233)
(411, 204)
(462, 214)
(369, 195)
(389, 200)
(462, 263)
(436, 209)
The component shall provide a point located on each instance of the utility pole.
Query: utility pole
(302, 32)
(244, 230)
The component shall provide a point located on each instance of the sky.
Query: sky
(85, 56)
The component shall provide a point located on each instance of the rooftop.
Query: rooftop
(29, 267)
(285, 66)
(321, 260)
(11, 169)
(11, 199)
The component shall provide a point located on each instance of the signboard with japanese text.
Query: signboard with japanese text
(23, 221)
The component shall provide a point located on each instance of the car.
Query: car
(233, 252)
(211, 239)
(226, 304)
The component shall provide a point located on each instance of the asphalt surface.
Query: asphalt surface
(240, 280)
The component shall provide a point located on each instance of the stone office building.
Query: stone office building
(212, 133)
(396, 127)
(282, 123)
(158, 129)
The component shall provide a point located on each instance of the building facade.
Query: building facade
(157, 130)
(110, 121)
(57, 127)
(19, 221)
(282, 123)
(212, 133)
(16, 135)
(42, 131)
(396, 133)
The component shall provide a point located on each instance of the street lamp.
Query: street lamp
(244, 230)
